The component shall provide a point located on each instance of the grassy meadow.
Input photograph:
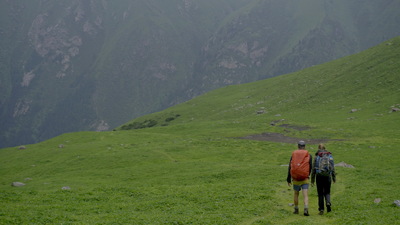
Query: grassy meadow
(191, 167)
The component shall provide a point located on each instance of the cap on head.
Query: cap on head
(301, 143)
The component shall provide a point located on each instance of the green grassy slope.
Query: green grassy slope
(188, 168)
(321, 96)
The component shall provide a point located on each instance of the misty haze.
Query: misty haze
(93, 65)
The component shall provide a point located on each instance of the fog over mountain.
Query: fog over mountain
(75, 65)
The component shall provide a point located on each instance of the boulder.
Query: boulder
(397, 203)
(343, 164)
(17, 184)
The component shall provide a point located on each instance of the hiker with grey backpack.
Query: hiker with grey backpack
(323, 173)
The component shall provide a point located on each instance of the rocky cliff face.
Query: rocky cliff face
(74, 65)
(47, 55)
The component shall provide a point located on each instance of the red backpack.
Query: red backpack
(300, 165)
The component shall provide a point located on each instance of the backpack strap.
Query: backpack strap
(320, 154)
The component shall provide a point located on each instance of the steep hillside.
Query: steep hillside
(359, 90)
(278, 37)
(92, 65)
(191, 166)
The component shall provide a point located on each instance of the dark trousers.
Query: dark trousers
(324, 191)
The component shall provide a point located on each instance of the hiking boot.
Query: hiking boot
(321, 212)
(328, 207)
(296, 211)
(306, 212)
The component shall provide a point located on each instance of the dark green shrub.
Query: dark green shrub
(169, 119)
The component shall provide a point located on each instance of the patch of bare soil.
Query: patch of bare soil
(277, 137)
(295, 127)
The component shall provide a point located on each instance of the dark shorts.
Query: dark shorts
(299, 187)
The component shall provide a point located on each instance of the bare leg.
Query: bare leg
(305, 195)
(296, 198)
(296, 202)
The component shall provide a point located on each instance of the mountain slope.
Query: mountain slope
(82, 57)
(278, 37)
(366, 82)
(92, 65)
(191, 167)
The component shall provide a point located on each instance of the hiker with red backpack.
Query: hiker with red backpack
(324, 172)
(299, 171)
